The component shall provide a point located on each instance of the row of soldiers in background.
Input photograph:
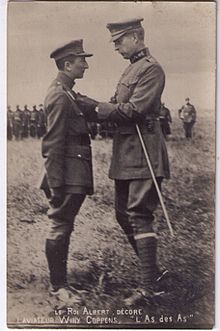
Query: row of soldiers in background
(32, 123)
(26, 123)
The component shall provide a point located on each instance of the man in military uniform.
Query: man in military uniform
(17, 127)
(106, 129)
(137, 101)
(25, 122)
(93, 129)
(68, 164)
(33, 121)
(165, 120)
(187, 114)
(41, 124)
(10, 119)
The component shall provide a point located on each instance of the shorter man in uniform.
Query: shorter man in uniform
(165, 120)
(68, 162)
(188, 115)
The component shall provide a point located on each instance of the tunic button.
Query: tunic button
(79, 155)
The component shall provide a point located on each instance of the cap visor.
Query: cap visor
(84, 54)
(116, 37)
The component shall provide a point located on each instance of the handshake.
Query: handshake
(84, 101)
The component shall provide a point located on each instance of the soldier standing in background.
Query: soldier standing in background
(137, 101)
(25, 122)
(165, 120)
(33, 122)
(106, 129)
(68, 162)
(17, 127)
(10, 119)
(93, 129)
(188, 115)
(41, 125)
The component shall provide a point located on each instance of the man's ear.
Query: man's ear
(135, 36)
(67, 66)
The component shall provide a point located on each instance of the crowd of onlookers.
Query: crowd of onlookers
(24, 123)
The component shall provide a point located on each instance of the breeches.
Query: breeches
(62, 218)
(135, 202)
(188, 129)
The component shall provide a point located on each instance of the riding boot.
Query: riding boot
(146, 247)
(56, 253)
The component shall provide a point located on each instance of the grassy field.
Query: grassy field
(100, 259)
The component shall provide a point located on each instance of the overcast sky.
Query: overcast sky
(181, 35)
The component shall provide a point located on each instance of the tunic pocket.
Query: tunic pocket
(126, 89)
(78, 166)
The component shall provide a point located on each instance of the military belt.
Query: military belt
(147, 126)
(82, 140)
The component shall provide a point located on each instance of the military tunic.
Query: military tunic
(137, 100)
(66, 145)
(188, 113)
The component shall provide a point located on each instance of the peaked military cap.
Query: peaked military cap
(118, 29)
(74, 47)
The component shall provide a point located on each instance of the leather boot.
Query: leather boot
(146, 248)
(56, 253)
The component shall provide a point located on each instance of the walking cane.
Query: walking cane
(154, 180)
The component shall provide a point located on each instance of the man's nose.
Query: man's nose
(86, 66)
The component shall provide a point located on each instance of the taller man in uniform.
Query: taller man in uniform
(137, 100)
(67, 152)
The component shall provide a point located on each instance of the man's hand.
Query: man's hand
(83, 100)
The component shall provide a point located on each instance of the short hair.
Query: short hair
(61, 62)
(140, 33)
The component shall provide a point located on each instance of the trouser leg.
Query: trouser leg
(121, 200)
(185, 126)
(9, 133)
(57, 242)
(142, 202)
(190, 129)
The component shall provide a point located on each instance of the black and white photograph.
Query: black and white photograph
(111, 149)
